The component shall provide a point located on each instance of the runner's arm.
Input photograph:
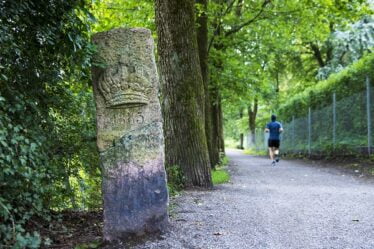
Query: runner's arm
(267, 128)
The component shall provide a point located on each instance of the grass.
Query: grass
(175, 177)
(174, 190)
(224, 161)
(253, 152)
(91, 245)
(220, 176)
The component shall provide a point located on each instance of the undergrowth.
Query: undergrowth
(254, 152)
(220, 174)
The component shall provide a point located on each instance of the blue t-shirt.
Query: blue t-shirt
(274, 128)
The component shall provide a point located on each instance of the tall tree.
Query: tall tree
(202, 41)
(231, 19)
(286, 57)
(183, 91)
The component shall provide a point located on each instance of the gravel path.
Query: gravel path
(292, 205)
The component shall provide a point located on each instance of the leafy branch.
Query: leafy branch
(250, 21)
(237, 28)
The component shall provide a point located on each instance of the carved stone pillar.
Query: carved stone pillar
(129, 133)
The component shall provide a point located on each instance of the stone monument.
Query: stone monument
(129, 133)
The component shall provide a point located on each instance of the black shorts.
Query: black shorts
(273, 143)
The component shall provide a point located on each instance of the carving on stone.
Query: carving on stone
(123, 85)
(129, 134)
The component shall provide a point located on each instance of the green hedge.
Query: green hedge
(345, 83)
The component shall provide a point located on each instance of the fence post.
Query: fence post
(249, 139)
(293, 134)
(247, 145)
(368, 113)
(309, 131)
(334, 120)
(256, 145)
(265, 145)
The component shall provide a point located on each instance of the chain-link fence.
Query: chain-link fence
(257, 141)
(343, 127)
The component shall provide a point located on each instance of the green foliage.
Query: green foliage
(220, 176)
(349, 46)
(234, 125)
(224, 161)
(272, 62)
(230, 142)
(118, 13)
(45, 52)
(91, 245)
(254, 152)
(344, 84)
(75, 159)
(176, 179)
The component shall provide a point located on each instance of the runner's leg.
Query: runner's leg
(276, 154)
(276, 151)
(273, 156)
(271, 153)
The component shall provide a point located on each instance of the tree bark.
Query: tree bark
(215, 126)
(252, 114)
(202, 41)
(241, 135)
(220, 134)
(217, 123)
(239, 7)
(216, 108)
(183, 91)
(317, 54)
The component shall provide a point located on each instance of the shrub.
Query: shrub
(345, 83)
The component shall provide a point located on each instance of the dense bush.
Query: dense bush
(344, 84)
(46, 115)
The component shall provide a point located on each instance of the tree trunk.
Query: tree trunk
(239, 8)
(217, 108)
(241, 136)
(220, 118)
(183, 91)
(214, 108)
(252, 114)
(317, 54)
(215, 126)
(202, 41)
(217, 123)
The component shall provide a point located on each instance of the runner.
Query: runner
(274, 128)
